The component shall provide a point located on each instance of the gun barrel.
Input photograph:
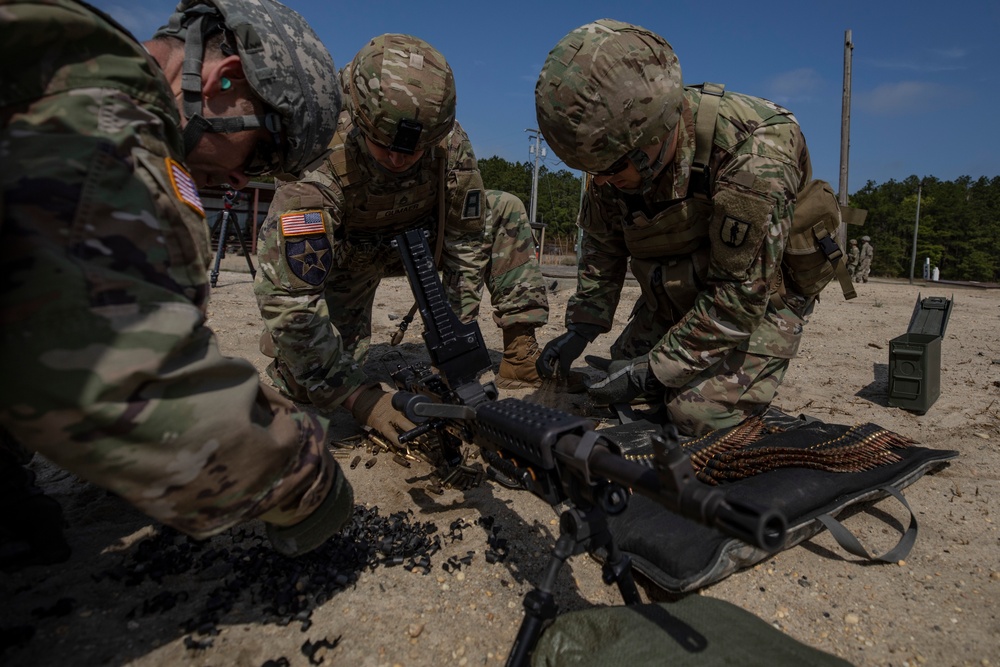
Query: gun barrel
(695, 500)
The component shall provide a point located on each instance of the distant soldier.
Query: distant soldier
(853, 256)
(865, 260)
(109, 369)
(399, 161)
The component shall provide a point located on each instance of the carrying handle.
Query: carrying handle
(851, 544)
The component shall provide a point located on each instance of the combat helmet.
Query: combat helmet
(285, 63)
(401, 93)
(854, 242)
(866, 238)
(606, 90)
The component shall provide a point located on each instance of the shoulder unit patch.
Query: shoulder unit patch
(473, 204)
(309, 259)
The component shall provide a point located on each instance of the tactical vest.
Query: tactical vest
(814, 252)
(375, 213)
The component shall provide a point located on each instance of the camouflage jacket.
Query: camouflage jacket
(110, 370)
(732, 243)
(356, 208)
(853, 256)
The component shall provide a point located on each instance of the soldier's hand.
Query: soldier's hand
(373, 407)
(559, 353)
(626, 380)
(324, 522)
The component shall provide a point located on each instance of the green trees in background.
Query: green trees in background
(959, 227)
(959, 220)
(558, 193)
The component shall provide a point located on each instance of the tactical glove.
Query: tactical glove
(627, 380)
(560, 353)
(374, 408)
(325, 521)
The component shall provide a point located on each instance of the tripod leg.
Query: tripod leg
(221, 250)
(243, 246)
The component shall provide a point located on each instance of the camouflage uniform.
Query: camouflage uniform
(853, 256)
(865, 261)
(718, 336)
(317, 281)
(110, 370)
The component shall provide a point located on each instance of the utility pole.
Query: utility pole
(536, 136)
(845, 119)
(916, 225)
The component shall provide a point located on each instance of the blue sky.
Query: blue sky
(925, 85)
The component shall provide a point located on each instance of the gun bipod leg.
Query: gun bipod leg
(579, 530)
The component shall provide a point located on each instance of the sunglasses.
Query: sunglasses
(619, 165)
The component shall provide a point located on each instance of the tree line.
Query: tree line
(958, 228)
(558, 193)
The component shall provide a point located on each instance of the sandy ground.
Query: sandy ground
(444, 575)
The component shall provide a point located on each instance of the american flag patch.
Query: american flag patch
(302, 223)
(184, 186)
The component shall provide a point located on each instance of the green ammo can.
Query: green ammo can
(915, 357)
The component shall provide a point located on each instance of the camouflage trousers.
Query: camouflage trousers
(513, 277)
(740, 384)
(861, 273)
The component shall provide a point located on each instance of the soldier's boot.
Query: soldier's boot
(520, 352)
(518, 368)
(31, 523)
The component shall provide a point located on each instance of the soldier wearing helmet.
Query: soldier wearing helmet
(864, 260)
(400, 161)
(701, 213)
(853, 256)
(105, 143)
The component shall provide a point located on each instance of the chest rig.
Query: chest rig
(682, 227)
(669, 248)
(378, 206)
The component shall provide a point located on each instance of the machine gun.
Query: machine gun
(558, 456)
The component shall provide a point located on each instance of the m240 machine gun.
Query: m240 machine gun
(558, 456)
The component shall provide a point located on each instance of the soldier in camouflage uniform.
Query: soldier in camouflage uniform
(853, 256)
(399, 161)
(110, 370)
(864, 260)
(713, 331)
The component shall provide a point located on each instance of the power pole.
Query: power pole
(533, 205)
(537, 150)
(845, 119)
(916, 225)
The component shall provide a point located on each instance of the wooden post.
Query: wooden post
(845, 120)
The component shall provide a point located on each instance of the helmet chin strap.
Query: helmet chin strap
(191, 84)
(648, 171)
(197, 125)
